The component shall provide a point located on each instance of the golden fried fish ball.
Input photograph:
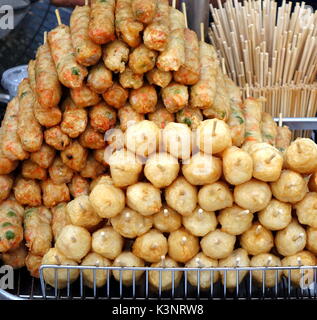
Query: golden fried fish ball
(73, 242)
(213, 136)
(63, 276)
(306, 210)
(177, 140)
(276, 216)
(218, 244)
(216, 196)
(238, 258)
(166, 277)
(311, 244)
(161, 169)
(167, 220)
(81, 212)
(253, 195)
(202, 169)
(99, 277)
(125, 168)
(200, 222)
(312, 184)
(127, 259)
(15, 257)
(181, 196)
(144, 198)
(131, 224)
(291, 240)
(237, 165)
(290, 187)
(271, 276)
(235, 220)
(33, 264)
(257, 239)
(301, 156)
(107, 242)
(182, 246)
(107, 200)
(150, 246)
(300, 277)
(206, 277)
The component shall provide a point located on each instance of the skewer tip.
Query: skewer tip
(202, 32)
(184, 240)
(58, 17)
(174, 4)
(165, 212)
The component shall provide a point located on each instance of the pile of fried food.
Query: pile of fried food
(128, 146)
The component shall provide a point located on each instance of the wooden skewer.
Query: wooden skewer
(269, 260)
(183, 241)
(202, 32)
(45, 37)
(258, 229)
(58, 17)
(165, 212)
(174, 4)
(86, 2)
(163, 262)
(280, 121)
(214, 128)
(185, 14)
(238, 261)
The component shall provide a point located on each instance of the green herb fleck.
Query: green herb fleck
(223, 114)
(11, 214)
(177, 91)
(9, 235)
(75, 71)
(103, 1)
(23, 94)
(109, 115)
(6, 224)
(268, 136)
(187, 121)
(78, 50)
(248, 134)
(28, 213)
(241, 121)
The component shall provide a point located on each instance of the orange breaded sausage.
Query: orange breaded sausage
(6, 183)
(84, 96)
(75, 156)
(75, 119)
(283, 138)
(60, 219)
(143, 100)
(56, 138)
(27, 192)
(102, 117)
(188, 73)
(87, 52)
(44, 157)
(15, 257)
(59, 172)
(159, 77)
(268, 128)
(93, 168)
(70, 73)
(175, 97)
(47, 117)
(130, 80)
(79, 186)
(142, 59)
(101, 26)
(48, 88)
(11, 144)
(31, 170)
(33, 264)
(54, 194)
(144, 10)
(115, 55)
(127, 27)
(116, 96)
(156, 33)
(29, 130)
(99, 78)
(92, 139)
(6, 165)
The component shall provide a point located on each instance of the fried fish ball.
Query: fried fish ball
(312, 184)
(74, 242)
(283, 138)
(99, 155)
(165, 279)
(144, 11)
(161, 169)
(300, 277)
(75, 156)
(15, 257)
(98, 277)
(301, 156)
(60, 219)
(31, 170)
(142, 59)
(268, 128)
(190, 116)
(6, 183)
(84, 97)
(257, 239)
(175, 97)
(200, 222)
(311, 244)
(144, 99)
(290, 187)
(33, 264)
(182, 245)
(167, 220)
(79, 186)
(253, 195)
(116, 96)
(159, 78)
(161, 116)
(116, 55)
(128, 116)
(150, 246)
(107, 200)
(144, 198)
(27, 192)
(81, 213)
(59, 277)
(131, 224)
(54, 194)
(103, 179)
(92, 168)
(92, 139)
(99, 78)
(56, 138)
(237, 165)
(202, 169)
(142, 138)
(276, 216)
(217, 244)
(107, 242)
(37, 230)
(205, 277)
(59, 172)
(213, 136)
(177, 140)
(235, 220)
(127, 259)
(291, 240)
(238, 258)
(44, 157)
(215, 196)
(181, 196)
(269, 277)
(125, 168)
(130, 80)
